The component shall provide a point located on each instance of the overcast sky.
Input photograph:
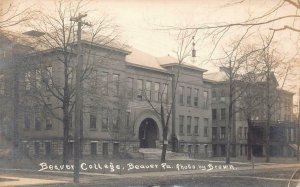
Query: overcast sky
(140, 21)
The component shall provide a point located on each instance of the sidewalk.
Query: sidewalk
(19, 176)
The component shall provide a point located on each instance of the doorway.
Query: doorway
(148, 133)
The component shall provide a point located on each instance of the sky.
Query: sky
(142, 23)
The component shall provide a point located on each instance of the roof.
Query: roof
(222, 76)
(216, 76)
(135, 57)
(141, 58)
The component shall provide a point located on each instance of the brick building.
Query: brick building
(282, 126)
(120, 90)
(117, 116)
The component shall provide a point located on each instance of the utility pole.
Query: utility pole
(78, 96)
(298, 139)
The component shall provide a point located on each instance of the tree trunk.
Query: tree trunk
(165, 145)
(66, 121)
(249, 140)
(268, 141)
(268, 116)
(165, 135)
(229, 125)
(16, 112)
(66, 115)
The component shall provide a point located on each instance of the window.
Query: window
(205, 94)
(180, 90)
(196, 125)
(48, 79)
(196, 150)
(38, 78)
(71, 119)
(116, 80)
(156, 91)
(94, 80)
(196, 97)
(182, 148)
(223, 114)
(188, 124)
(222, 92)
(116, 147)
(214, 114)
(130, 88)
(93, 121)
(48, 122)
(148, 90)
(181, 124)
(206, 131)
(140, 89)
(27, 120)
(47, 149)
(240, 132)
(37, 121)
(188, 95)
(127, 119)
(115, 119)
(206, 124)
(28, 78)
(165, 92)
(2, 84)
(292, 135)
(246, 132)
(104, 119)
(190, 147)
(222, 132)
(36, 149)
(214, 133)
(93, 148)
(70, 75)
(104, 83)
(214, 93)
(105, 149)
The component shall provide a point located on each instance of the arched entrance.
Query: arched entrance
(148, 132)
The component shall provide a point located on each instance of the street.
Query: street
(241, 178)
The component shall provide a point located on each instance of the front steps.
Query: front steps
(155, 154)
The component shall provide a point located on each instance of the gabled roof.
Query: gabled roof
(36, 41)
(219, 76)
(222, 76)
(142, 59)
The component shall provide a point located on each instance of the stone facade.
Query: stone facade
(121, 92)
(282, 126)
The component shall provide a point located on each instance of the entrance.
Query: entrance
(148, 133)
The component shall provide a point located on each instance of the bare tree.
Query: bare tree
(55, 32)
(13, 15)
(165, 108)
(272, 66)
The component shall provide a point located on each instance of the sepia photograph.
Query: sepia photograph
(140, 93)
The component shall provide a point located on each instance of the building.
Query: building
(282, 127)
(122, 88)
(120, 93)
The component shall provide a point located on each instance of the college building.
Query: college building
(122, 91)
